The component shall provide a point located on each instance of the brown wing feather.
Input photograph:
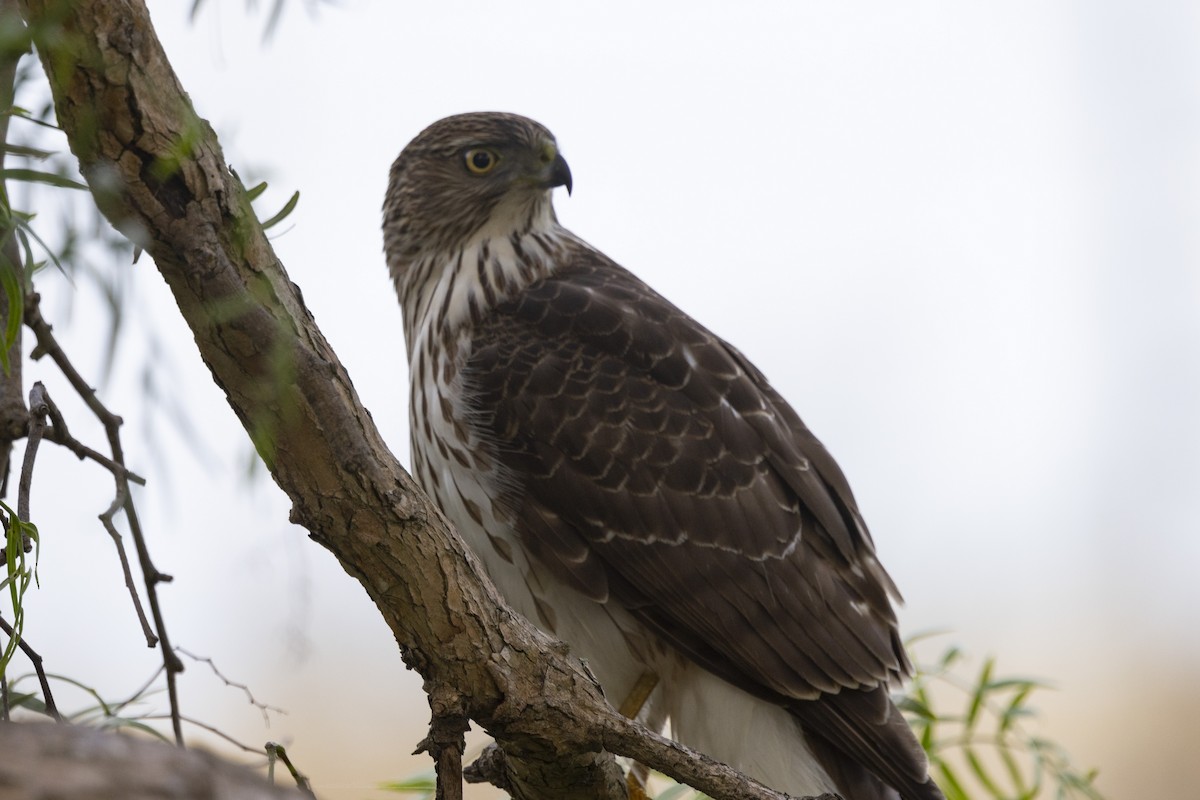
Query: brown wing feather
(652, 463)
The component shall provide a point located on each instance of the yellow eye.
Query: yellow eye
(481, 162)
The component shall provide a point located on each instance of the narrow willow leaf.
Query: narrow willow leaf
(255, 192)
(39, 176)
(27, 115)
(981, 688)
(26, 232)
(982, 774)
(27, 152)
(1012, 683)
(1015, 774)
(951, 657)
(912, 705)
(287, 209)
(101, 703)
(951, 786)
(15, 300)
(1015, 709)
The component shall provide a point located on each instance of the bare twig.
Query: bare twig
(140, 690)
(106, 519)
(263, 707)
(38, 409)
(59, 434)
(36, 660)
(153, 577)
(258, 751)
(276, 750)
(48, 345)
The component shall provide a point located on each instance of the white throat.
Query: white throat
(439, 292)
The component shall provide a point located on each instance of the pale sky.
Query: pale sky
(960, 238)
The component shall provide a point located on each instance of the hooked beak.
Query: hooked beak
(559, 173)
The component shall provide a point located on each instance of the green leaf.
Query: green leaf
(912, 705)
(1016, 774)
(951, 786)
(15, 298)
(40, 176)
(101, 703)
(981, 773)
(424, 784)
(27, 152)
(981, 688)
(254, 193)
(27, 232)
(27, 115)
(1028, 684)
(287, 209)
(1015, 709)
(26, 700)
(952, 656)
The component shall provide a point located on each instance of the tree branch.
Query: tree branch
(158, 173)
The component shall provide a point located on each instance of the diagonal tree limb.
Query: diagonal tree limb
(157, 172)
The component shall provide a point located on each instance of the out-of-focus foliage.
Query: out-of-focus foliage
(980, 732)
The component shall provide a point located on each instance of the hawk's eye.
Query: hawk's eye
(481, 162)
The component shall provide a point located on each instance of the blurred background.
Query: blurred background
(961, 239)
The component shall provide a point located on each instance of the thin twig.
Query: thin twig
(38, 409)
(153, 577)
(81, 450)
(36, 660)
(48, 345)
(214, 731)
(59, 434)
(141, 690)
(276, 750)
(106, 519)
(263, 707)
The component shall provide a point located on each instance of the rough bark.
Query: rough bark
(49, 762)
(157, 172)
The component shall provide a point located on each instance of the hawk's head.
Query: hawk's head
(466, 175)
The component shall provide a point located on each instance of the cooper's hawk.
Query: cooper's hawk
(633, 483)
